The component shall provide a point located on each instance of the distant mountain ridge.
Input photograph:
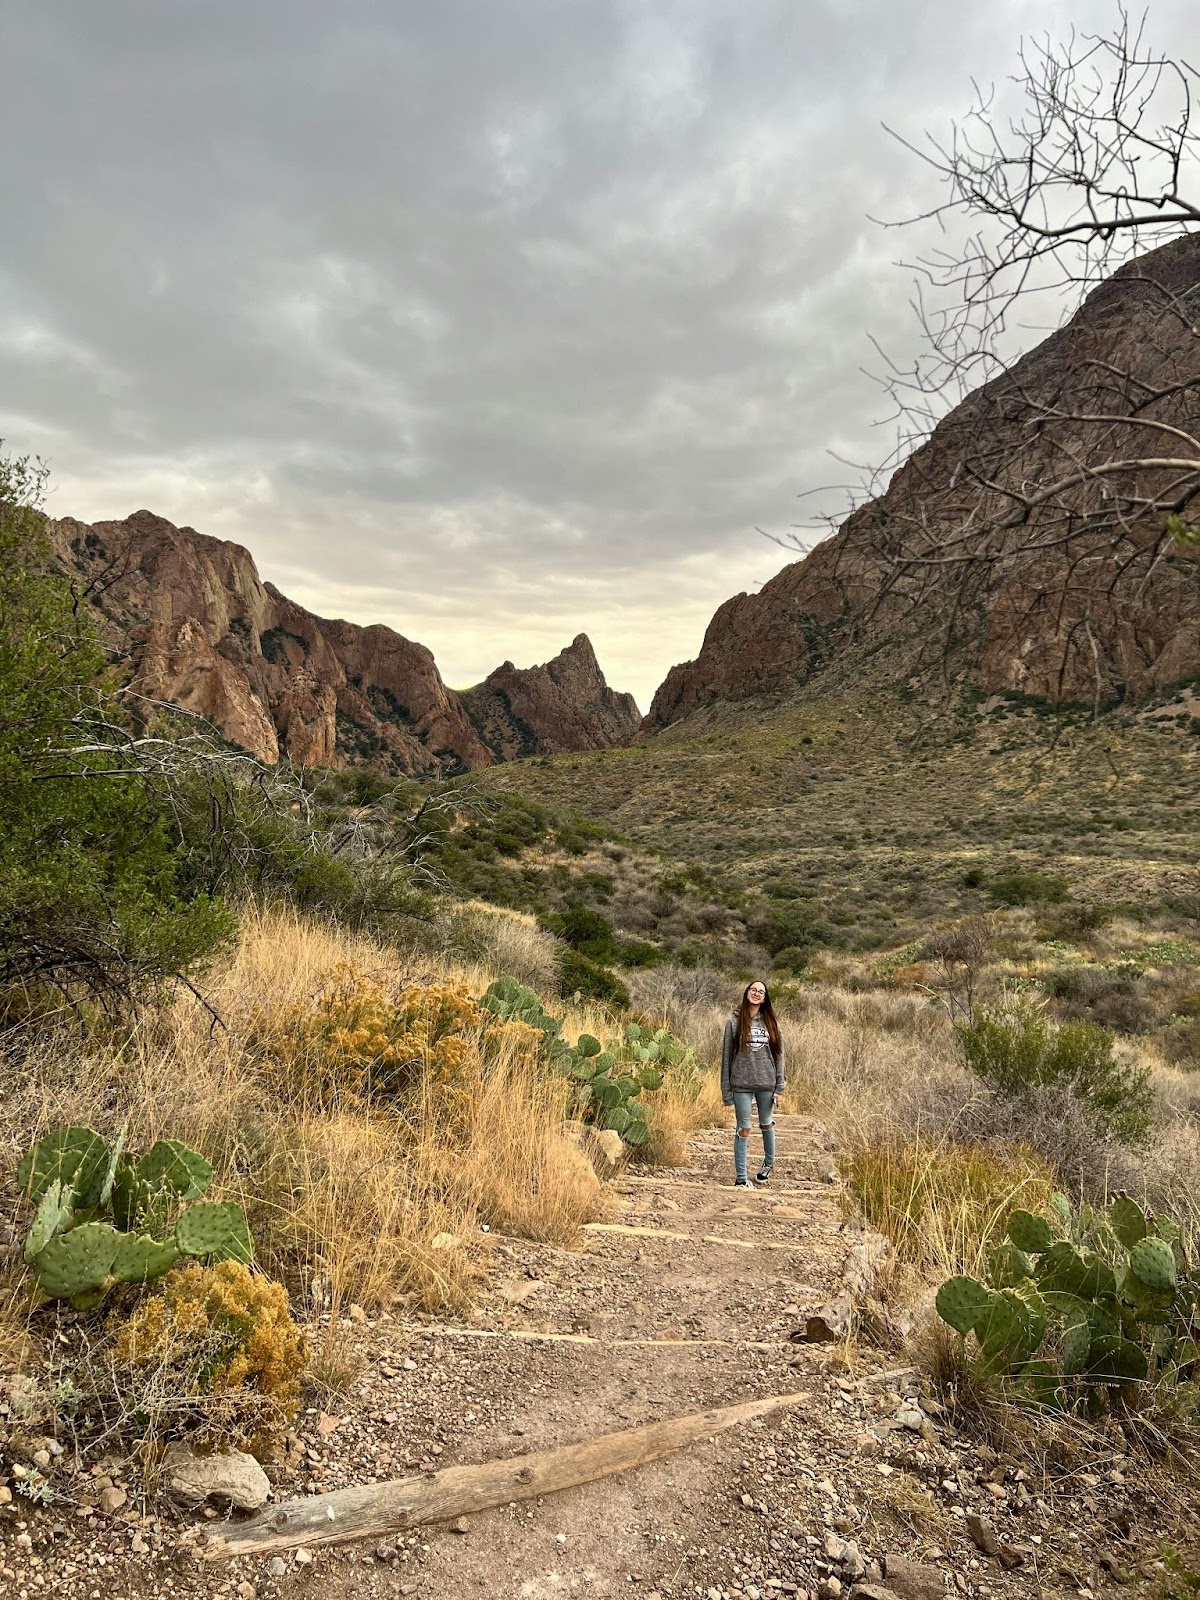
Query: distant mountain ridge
(1099, 624)
(189, 621)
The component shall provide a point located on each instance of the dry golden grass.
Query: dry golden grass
(943, 1205)
(505, 944)
(346, 1205)
(680, 1110)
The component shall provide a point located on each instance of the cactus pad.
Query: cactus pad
(172, 1165)
(77, 1261)
(1099, 1279)
(1116, 1361)
(54, 1214)
(140, 1258)
(1042, 1381)
(1152, 1263)
(962, 1302)
(1061, 1269)
(1076, 1345)
(1007, 1266)
(202, 1229)
(1029, 1233)
(72, 1156)
(1062, 1212)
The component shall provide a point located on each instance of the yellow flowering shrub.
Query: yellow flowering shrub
(361, 1040)
(215, 1355)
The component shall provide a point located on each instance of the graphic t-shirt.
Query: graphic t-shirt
(760, 1039)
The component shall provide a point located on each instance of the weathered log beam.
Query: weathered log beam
(378, 1508)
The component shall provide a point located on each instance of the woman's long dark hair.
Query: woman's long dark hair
(767, 1014)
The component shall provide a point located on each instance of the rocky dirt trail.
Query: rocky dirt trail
(687, 1298)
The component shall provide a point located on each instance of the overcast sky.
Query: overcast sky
(494, 320)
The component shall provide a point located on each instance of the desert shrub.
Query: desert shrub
(1180, 1044)
(793, 925)
(1073, 921)
(587, 931)
(92, 900)
(578, 975)
(361, 1040)
(640, 953)
(1027, 888)
(1017, 1048)
(214, 1356)
(1099, 995)
(505, 942)
(793, 959)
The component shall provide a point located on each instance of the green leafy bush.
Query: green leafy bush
(590, 932)
(794, 925)
(578, 975)
(1018, 1049)
(92, 897)
(1027, 888)
(640, 953)
(1081, 1303)
(101, 1218)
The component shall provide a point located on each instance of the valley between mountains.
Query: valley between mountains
(361, 1042)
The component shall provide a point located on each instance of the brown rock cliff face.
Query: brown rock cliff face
(563, 705)
(1115, 618)
(192, 624)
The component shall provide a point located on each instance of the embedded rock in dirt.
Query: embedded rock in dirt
(189, 622)
(231, 1477)
(912, 1580)
(602, 1147)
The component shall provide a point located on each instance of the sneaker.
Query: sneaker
(741, 1183)
(764, 1173)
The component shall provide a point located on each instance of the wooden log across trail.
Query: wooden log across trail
(375, 1508)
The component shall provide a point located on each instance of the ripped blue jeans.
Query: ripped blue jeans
(743, 1099)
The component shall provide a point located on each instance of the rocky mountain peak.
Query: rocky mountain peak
(1089, 600)
(193, 624)
(565, 704)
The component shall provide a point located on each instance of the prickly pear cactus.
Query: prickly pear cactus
(1029, 1233)
(215, 1231)
(1066, 1319)
(172, 1165)
(1008, 1266)
(962, 1302)
(77, 1158)
(78, 1260)
(511, 1000)
(1152, 1263)
(140, 1258)
(55, 1213)
(74, 1179)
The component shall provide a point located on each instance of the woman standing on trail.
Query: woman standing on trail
(752, 1074)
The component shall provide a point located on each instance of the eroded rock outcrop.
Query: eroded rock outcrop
(192, 624)
(1090, 601)
(563, 705)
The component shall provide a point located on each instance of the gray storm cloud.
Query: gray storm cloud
(492, 319)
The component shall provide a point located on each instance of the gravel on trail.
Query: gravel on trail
(688, 1298)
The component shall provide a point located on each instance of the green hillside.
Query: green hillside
(867, 818)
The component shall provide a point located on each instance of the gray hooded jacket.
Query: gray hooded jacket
(747, 1069)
